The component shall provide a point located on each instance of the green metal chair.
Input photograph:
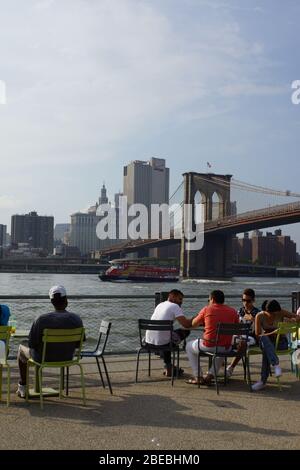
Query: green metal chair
(5, 332)
(252, 351)
(291, 330)
(284, 328)
(56, 336)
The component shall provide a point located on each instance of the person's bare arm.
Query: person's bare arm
(185, 322)
(258, 330)
(196, 321)
(292, 316)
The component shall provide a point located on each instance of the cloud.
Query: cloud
(85, 79)
(84, 76)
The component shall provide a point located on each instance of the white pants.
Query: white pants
(192, 353)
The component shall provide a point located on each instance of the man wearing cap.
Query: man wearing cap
(59, 319)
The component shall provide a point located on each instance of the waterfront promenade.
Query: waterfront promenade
(151, 415)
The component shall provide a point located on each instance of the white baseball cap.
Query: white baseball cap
(57, 290)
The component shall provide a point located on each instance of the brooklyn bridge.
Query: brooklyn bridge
(221, 223)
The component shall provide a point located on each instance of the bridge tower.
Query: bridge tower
(214, 260)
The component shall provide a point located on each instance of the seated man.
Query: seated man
(59, 319)
(169, 310)
(216, 312)
(247, 315)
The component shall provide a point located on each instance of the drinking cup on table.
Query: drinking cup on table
(13, 324)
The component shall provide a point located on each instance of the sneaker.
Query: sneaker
(21, 392)
(258, 386)
(229, 372)
(277, 371)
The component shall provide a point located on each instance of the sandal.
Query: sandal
(193, 381)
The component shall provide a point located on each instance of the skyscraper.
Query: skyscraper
(146, 183)
(2, 235)
(33, 229)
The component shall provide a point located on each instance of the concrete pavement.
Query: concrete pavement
(152, 415)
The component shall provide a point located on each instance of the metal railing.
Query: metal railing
(122, 310)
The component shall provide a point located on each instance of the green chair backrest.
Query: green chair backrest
(71, 335)
(5, 332)
(287, 328)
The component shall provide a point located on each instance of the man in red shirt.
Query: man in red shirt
(210, 316)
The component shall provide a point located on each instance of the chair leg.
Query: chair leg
(41, 388)
(137, 366)
(249, 374)
(247, 366)
(27, 383)
(67, 380)
(198, 374)
(8, 385)
(173, 364)
(149, 364)
(216, 376)
(1, 377)
(100, 372)
(61, 381)
(107, 376)
(82, 384)
(244, 367)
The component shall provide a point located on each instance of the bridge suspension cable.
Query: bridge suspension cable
(237, 184)
(176, 190)
(261, 189)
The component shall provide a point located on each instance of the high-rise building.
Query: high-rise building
(147, 183)
(2, 235)
(83, 228)
(33, 229)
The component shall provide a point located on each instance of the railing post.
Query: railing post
(160, 297)
(295, 301)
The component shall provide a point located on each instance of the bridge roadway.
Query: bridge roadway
(273, 216)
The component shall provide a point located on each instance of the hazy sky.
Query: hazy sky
(93, 84)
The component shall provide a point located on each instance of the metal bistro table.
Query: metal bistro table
(35, 392)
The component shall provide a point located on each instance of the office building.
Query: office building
(146, 182)
(3, 229)
(83, 228)
(35, 230)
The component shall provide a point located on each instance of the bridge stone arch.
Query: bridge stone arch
(201, 199)
(214, 258)
(207, 184)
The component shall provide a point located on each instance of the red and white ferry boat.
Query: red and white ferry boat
(141, 270)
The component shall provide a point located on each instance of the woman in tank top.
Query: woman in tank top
(266, 326)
